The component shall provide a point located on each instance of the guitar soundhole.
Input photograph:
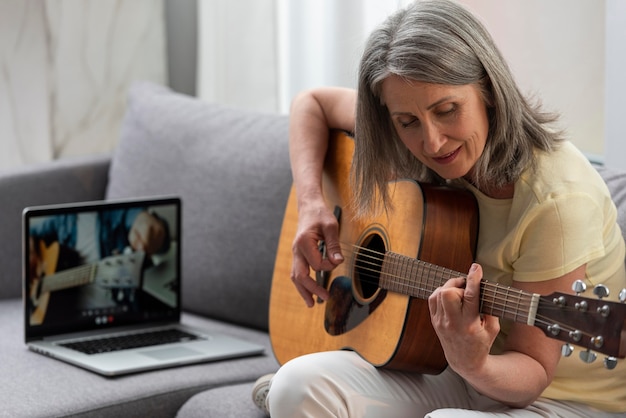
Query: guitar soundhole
(368, 265)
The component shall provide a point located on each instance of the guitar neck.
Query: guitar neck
(66, 279)
(419, 279)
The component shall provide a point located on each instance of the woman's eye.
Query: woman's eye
(405, 123)
(447, 110)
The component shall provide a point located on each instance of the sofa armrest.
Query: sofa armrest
(60, 181)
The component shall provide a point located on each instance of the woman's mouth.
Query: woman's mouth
(447, 158)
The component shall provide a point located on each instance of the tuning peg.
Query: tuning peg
(567, 350)
(601, 291)
(610, 362)
(579, 287)
(588, 356)
(622, 295)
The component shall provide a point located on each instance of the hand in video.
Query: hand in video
(147, 233)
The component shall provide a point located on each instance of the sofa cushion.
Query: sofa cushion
(231, 169)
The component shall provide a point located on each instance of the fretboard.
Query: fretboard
(419, 279)
(72, 277)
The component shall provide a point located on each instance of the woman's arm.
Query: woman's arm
(313, 114)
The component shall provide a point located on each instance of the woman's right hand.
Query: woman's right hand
(312, 114)
(316, 223)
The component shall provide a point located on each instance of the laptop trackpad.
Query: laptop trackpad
(170, 353)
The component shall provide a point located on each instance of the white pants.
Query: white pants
(342, 384)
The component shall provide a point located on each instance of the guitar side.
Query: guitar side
(386, 328)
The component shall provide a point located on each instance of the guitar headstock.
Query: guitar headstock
(120, 271)
(596, 324)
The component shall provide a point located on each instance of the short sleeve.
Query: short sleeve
(558, 236)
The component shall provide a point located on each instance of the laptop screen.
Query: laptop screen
(101, 264)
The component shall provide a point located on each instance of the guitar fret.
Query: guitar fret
(518, 317)
(417, 271)
(506, 298)
(404, 283)
(507, 302)
(407, 274)
(386, 275)
(513, 312)
(515, 308)
(407, 279)
(424, 289)
(489, 301)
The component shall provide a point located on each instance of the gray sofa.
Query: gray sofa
(231, 169)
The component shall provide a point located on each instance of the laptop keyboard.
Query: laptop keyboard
(124, 342)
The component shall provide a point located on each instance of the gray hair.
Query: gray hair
(440, 42)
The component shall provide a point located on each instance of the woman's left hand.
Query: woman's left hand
(465, 334)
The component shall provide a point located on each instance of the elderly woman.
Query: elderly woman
(436, 102)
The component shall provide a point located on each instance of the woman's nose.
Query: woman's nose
(433, 139)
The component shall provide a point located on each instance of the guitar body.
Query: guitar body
(388, 329)
(49, 258)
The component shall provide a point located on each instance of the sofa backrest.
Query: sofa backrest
(231, 169)
(74, 179)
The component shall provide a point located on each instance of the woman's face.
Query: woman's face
(444, 126)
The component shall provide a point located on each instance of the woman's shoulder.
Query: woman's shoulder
(561, 172)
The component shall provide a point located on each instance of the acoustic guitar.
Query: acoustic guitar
(378, 295)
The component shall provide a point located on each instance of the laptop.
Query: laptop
(101, 288)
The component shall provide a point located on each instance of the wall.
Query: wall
(556, 51)
(616, 83)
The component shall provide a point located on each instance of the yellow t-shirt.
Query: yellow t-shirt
(560, 217)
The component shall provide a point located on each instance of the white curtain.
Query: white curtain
(321, 41)
(237, 54)
(258, 53)
(65, 68)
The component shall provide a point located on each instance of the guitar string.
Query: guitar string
(490, 290)
(498, 299)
